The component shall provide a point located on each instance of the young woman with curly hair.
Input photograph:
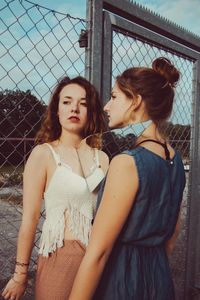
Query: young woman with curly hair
(53, 172)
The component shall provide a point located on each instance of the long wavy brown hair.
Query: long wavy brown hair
(96, 122)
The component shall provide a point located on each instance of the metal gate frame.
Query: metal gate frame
(104, 16)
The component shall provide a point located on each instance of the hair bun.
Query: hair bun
(164, 67)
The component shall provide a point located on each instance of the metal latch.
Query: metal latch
(83, 39)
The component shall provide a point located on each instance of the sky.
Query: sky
(184, 13)
(37, 46)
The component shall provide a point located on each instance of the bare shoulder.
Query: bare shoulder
(124, 161)
(40, 153)
(171, 150)
(122, 166)
(103, 156)
(104, 160)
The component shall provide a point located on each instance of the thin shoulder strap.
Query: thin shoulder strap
(96, 152)
(164, 145)
(55, 155)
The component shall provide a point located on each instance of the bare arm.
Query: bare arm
(120, 190)
(33, 187)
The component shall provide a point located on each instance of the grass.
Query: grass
(11, 178)
(12, 199)
(11, 169)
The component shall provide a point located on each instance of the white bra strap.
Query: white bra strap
(55, 155)
(97, 157)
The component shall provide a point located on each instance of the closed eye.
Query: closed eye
(84, 103)
(66, 102)
(113, 96)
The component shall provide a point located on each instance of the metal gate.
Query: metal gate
(122, 34)
(41, 45)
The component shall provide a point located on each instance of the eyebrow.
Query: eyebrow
(69, 97)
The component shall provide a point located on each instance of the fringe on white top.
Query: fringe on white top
(54, 229)
(68, 204)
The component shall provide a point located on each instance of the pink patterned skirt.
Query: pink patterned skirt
(56, 273)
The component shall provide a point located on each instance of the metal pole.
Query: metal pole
(192, 280)
(107, 57)
(94, 55)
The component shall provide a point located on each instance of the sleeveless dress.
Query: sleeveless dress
(138, 267)
(69, 203)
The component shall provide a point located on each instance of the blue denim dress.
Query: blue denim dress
(138, 267)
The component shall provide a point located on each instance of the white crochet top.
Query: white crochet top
(68, 193)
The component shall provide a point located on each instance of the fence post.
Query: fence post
(192, 282)
(107, 57)
(94, 54)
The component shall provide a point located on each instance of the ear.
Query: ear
(137, 100)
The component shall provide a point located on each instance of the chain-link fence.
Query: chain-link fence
(134, 36)
(129, 51)
(38, 46)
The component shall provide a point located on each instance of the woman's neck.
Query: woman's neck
(151, 132)
(69, 139)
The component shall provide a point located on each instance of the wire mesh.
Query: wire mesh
(129, 51)
(38, 46)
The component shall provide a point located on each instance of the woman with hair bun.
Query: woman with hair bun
(137, 219)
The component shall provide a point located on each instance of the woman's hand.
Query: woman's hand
(15, 288)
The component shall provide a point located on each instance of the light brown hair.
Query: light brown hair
(50, 127)
(155, 85)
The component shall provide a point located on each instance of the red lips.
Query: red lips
(74, 119)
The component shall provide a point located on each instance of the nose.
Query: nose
(107, 106)
(75, 107)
